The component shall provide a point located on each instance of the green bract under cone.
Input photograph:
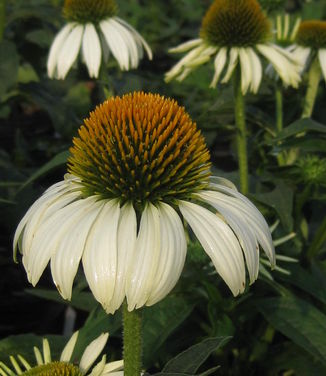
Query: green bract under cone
(140, 148)
(54, 369)
(83, 11)
(235, 23)
(312, 34)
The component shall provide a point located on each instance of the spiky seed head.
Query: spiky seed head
(311, 169)
(234, 23)
(83, 11)
(54, 369)
(312, 34)
(140, 147)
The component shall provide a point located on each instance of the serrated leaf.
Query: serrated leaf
(191, 359)
(299, 320)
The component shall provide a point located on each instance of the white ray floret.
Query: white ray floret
(95, 42)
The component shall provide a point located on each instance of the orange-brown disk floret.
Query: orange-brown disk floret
(140, 147)
(312, 34)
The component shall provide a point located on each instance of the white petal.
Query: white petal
(139, 39)
(100, 255)
(116, 43)
(127, 235)
(48, 236)
(92, 351)
(172, 253)
(257, 70)
(56, 47)
(219, 64)
(69, 348)
(232, 64)
(255, 219)
(219, 243)
(144, 265)
(241, 228)
(246, 70)
(98, 369)
(322, 61)
(183, 47)
(69, 250)
(92, 50)
(69, 51)
(113, 366)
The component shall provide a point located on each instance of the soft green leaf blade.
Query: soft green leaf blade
(299, 126)
(57, 161)
(9, 61)
(298, 320)
(191, 359)
(160, 320)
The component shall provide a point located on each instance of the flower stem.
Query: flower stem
(279, 116)
(2, 17)
(239, 109)
(132, 341)
(313, 83)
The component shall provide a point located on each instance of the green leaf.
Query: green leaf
(160, 321)
(280, 199)
(57, 161)
(8, 66)
(191, 359)
(299, 126)
(298, 320)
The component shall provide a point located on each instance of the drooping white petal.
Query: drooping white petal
(219, 64)
(246, 69)
(98, 369)
(64, 264)
(91, 48)
(322, 61)
(127, 235)
(256, 69)
(301, 54)
(241, 228)
(49, 234)
(69, 348)
(113, 366)
(92, 351)
(139, 39)
(183, 47)
(56, 48)
(144, 265)
(232, 64)
(253, 216)
(116, 43)
(172, 253)
(38, 356)
(219, 242)
(100, 255)
(287, 69)
(69, 51)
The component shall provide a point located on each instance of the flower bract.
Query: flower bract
(235, 33)
(94, 30)
(45, 365)
(138, 167)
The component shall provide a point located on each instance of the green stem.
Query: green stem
(132, 341)
(239, 108)
(279, 116)
(2, 18)
(313, 83)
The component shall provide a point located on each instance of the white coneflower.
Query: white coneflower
(137, 167)
(45, 365)
(94, 29)
(311, 44)
(235, 32)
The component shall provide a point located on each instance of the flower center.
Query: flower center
(140, 147)
(235, 23)
(54, 369)
(83, 11)
(312, 34)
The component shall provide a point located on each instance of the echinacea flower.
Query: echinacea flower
(235, 33)
(311, 44)
(94, 28)
(137, 167)
(45, 365)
